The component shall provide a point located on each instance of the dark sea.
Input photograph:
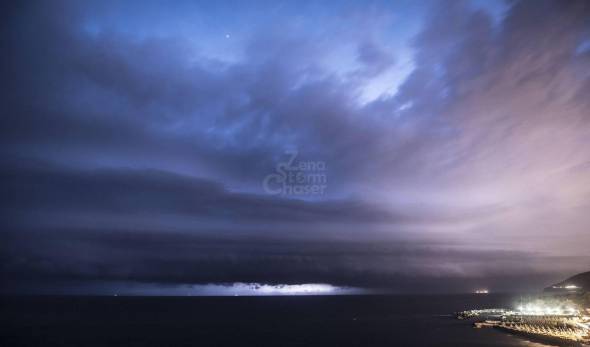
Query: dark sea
(391, 320)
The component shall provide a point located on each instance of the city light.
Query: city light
(551, 318)
(568, 287)
(545, 310)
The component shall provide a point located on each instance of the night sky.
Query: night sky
(404, 146)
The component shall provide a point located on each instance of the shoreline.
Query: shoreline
(561, 329)
(541, 338)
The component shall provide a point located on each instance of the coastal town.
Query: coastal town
(561, 315)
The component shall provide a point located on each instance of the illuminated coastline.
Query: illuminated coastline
(560, 323)
(561, 314)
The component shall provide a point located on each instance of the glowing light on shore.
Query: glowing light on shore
(568, 287)
(544, 310)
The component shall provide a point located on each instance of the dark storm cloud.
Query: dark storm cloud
(107, 97)
(206, 116)
(154, 257)
(45, 189)
(138, 155)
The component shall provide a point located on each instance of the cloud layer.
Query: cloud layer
(455, 142)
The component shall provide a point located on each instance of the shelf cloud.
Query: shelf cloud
(409, 144)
